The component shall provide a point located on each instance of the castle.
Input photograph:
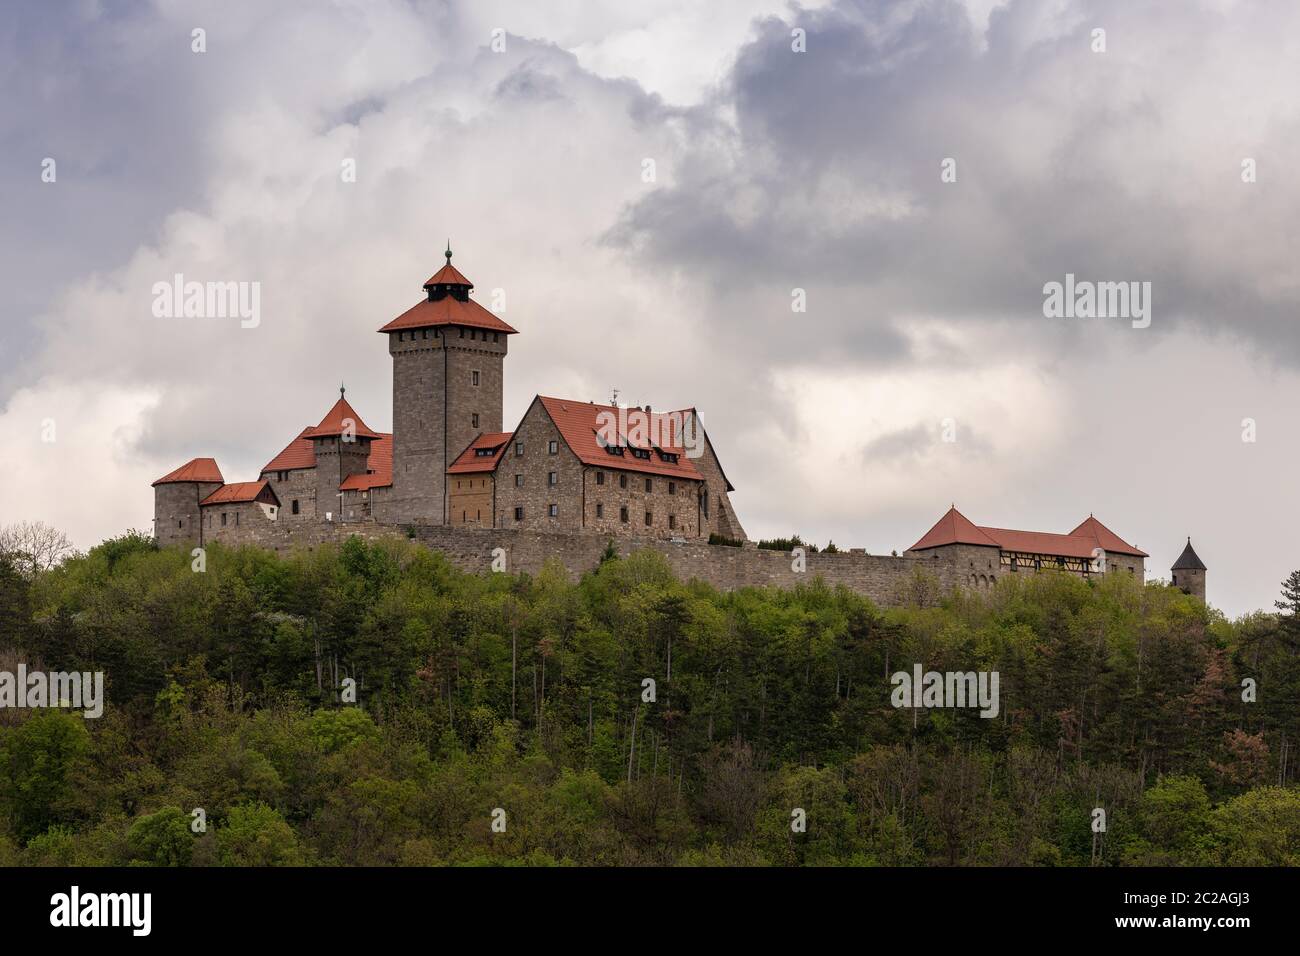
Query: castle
(570, 478)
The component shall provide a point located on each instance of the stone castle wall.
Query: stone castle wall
(885, 579)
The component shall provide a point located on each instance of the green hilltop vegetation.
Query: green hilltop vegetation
(526, 694)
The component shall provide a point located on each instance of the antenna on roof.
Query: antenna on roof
(613, 395)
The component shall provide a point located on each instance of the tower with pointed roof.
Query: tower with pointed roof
(1188, 572)
(448, 371)
(341, 444)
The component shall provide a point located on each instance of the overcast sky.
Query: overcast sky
(774, 170)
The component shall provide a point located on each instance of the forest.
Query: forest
(368, 704)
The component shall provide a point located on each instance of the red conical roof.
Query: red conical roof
(335, 419)
(448, 274)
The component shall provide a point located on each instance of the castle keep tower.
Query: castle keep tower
(341, 443)
(448, 367)
(1189, 573)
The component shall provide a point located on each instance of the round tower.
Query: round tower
(1188, 572)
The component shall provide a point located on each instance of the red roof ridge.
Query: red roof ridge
(202, 470)
(237, 492)
(577, 423)
(954, 528)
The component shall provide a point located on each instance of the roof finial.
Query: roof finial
(448, 252)
(341, 389)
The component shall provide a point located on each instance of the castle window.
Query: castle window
(519, 449)
(648, 518)
(622, 481)
(519, 481)
(552, 447)
(462, 517)
(293, 506)
(473, 377)
(600, 477)
(484, 452)
(519, 514)
(641, 453)
(424, 333)
(552, 478)
(223, 519)
(478, 515)
(181, 523)
(622, 514)
(672, 487)
(649, 485)
(554, 511)
(672, 521)
(706, 502)
(473, 420)
(496, 336)
(600, 510)
(462, 333)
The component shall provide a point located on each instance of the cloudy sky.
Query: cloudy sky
(775, 169)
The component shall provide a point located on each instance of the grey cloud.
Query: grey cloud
(1114, 166)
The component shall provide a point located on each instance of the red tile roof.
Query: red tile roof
(1106, 538)
(379, 467)
(448, 275)
(335, 419)
(953, 528)
(299, 453)
(470, 460)
(196, 469)
(579, 424)
(956, 528)
(236, 492)
(447, 311)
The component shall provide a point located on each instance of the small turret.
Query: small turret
(1189, 572)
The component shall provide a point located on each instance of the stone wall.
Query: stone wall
(538, 434)
(675, 498)
(470, 496)
(887, 580)
(176, 511)
(299, 485)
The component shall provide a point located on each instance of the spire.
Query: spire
(448, 279)
(341, 389)
(1188, 560)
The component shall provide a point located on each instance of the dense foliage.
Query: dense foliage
(526, 694)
